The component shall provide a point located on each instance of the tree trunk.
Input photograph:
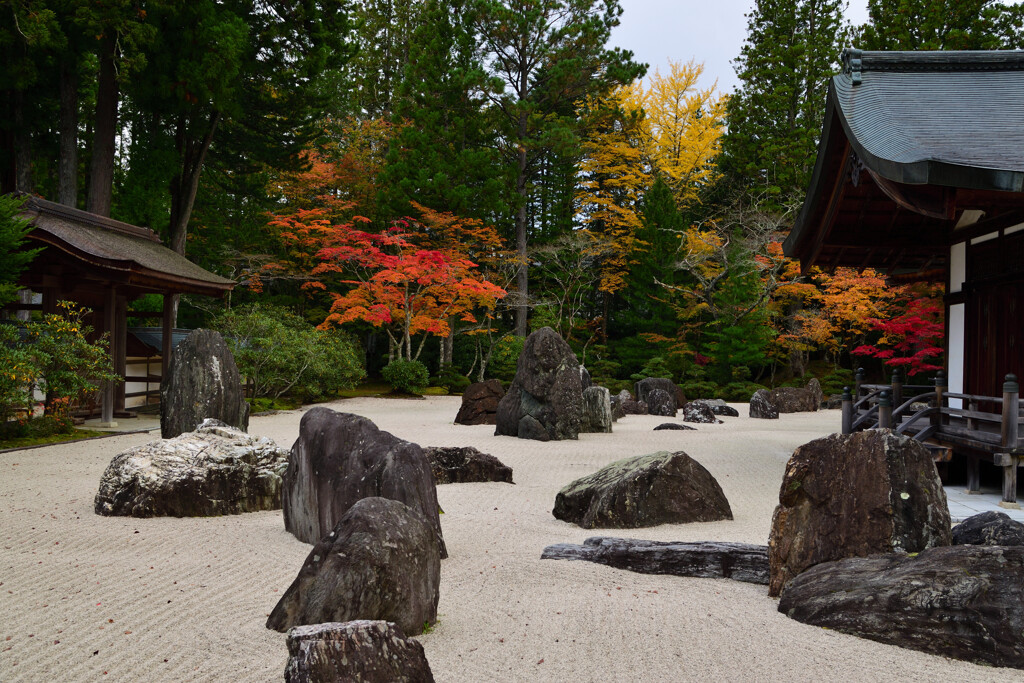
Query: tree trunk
(522, 273)
(185, 184)
(67, 166)
(101, 166)
(22, 146)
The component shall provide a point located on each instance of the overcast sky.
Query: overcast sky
(712, 31)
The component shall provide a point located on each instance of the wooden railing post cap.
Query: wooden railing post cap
(1010, 385)
(884, 399)
(897, 374)
(940, 379)
(861, 374)
(847, 394)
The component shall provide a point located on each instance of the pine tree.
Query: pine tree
(942, 25)
(775, 116)
(443, 155)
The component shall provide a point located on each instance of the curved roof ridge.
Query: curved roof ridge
(858, 61)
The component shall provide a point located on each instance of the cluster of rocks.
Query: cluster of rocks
(462, 464)
(480, 403)
(767, 405)
(860, 543)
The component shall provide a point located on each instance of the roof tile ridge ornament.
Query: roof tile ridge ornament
(852, 61)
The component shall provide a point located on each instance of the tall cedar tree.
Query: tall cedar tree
(942, 25)
(542, 55)
(775, 116)
(443, 154)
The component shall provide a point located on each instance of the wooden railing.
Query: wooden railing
(980, 427)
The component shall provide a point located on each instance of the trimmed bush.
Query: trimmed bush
(408, 376)
(452, 380)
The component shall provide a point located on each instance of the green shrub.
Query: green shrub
(740, 391)
(834, 382)
(279, 353)
(654, 367)
(452, 380)
(700, 389)
(505, 357)
(408, 376)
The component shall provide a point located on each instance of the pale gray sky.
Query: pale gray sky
(712, 31)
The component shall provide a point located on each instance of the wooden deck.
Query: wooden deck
(976, 427)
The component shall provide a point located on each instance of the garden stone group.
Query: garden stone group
(860, 542)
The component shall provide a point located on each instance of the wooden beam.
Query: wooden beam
(166, 340)
(109, 317)
(830, 212)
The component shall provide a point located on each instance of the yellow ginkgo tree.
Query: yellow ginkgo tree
(680, 128)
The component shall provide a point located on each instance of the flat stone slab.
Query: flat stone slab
(363, 650)
(703, 559)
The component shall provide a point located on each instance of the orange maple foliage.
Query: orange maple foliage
(413, 278)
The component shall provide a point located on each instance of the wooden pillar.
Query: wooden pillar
(166, 339)
(897, 390)
(847, 411)
(973, 474)
(1010, 441)
(120, 357)
(109, 317)
(940, 398)
(884, 411)
(858, 380)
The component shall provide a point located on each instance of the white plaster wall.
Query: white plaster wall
(957, 353)
(957, 266)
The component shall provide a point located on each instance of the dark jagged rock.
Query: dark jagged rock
(796, 400)
(456, 465)
(661, 488)
(707, 559)
(673, 425)
(585, 380)
(718, 406)
(545, 401)
(202, 382)
(989, 528)
(632, 407)
(381, 561)
(365, 651)
(761, 406)
(700, 413)
(215, 470)
(963, 601)
(645, 386)
(855, 495)
(597, 411)
(340, 458)
(814, 387)
(480, 403)
(834, 402)
(660, 402)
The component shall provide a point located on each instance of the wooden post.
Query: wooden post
(120, 351)
(884, 411)
(847, 411)
(109, 318)
(897, 390)
(940, 398)
(1009, 439)
(858, 380)
(973, 474)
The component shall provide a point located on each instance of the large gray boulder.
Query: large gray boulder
(661, 488)
(215, 470)
(761, 406)
(380, 562)
(462, 464)
(989, 528)
(964, 601)
(796, 400)
(597, 410)
(202, 381)
(362, 650)
(480, 403)
(545, 401)
(339, 459)
(855, 495)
